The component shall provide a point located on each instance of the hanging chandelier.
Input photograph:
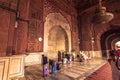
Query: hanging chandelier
(101, 16)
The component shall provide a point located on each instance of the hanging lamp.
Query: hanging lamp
(101, 16)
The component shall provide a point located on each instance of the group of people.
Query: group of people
(114, 54)
(65, 57)
(49, 66)
(52, 66)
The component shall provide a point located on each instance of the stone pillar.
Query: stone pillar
(11, 34)
(85, 32)
(7, 19)
(97, 47)
(74, 34)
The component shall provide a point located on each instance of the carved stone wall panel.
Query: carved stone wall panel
(72, 20)
(4, 30)
(22, 29)
(75, 41)
(54, 20)
(36, 9)
(49, 7)
(86, 33)
(64, 6)
(68, 2)
(68, 17)
(12, 4)
(11, 34)
(23, 11)
(32, 35)
(16, 67)
(74, 24)
(35, 31)
(36, 28)
(21, 38)
(74, 29)
(57, 6)
(86, 45)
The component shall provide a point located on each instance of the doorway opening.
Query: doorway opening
(57, 35)
(57, 41)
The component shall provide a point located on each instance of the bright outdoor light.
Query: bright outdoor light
(40, 39)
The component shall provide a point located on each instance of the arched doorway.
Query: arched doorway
(57, 35)
(57, 40)
(108, 40)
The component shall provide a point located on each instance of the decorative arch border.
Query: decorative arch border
(105, 41)
(47, 28)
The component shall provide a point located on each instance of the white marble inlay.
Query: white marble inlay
(33, 58)
(1, 69)
(16, 68)
(4, 68)
(15, 65)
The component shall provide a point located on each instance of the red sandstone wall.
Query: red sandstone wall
(13, 38)
(69, 13)
(4, 28)
(7, 19)
(22, 29)
(104, 73)
(85, 26)
(36, 27)
(25, 36)
(23, 39)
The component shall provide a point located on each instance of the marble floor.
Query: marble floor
(73, 71)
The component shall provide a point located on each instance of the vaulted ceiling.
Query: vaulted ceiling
(84, 4)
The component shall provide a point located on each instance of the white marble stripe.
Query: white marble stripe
(77, 71)
(71, 74)
(86, 67)
(80, 69)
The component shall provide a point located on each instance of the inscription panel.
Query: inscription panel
(35, 31)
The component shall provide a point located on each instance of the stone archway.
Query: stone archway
(57, 35)
(108, 39)
(57, 40)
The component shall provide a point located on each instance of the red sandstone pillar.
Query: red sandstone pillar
(22, 29)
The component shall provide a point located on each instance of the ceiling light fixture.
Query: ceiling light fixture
(101, 16)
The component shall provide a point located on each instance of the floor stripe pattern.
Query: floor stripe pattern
(73, 71)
